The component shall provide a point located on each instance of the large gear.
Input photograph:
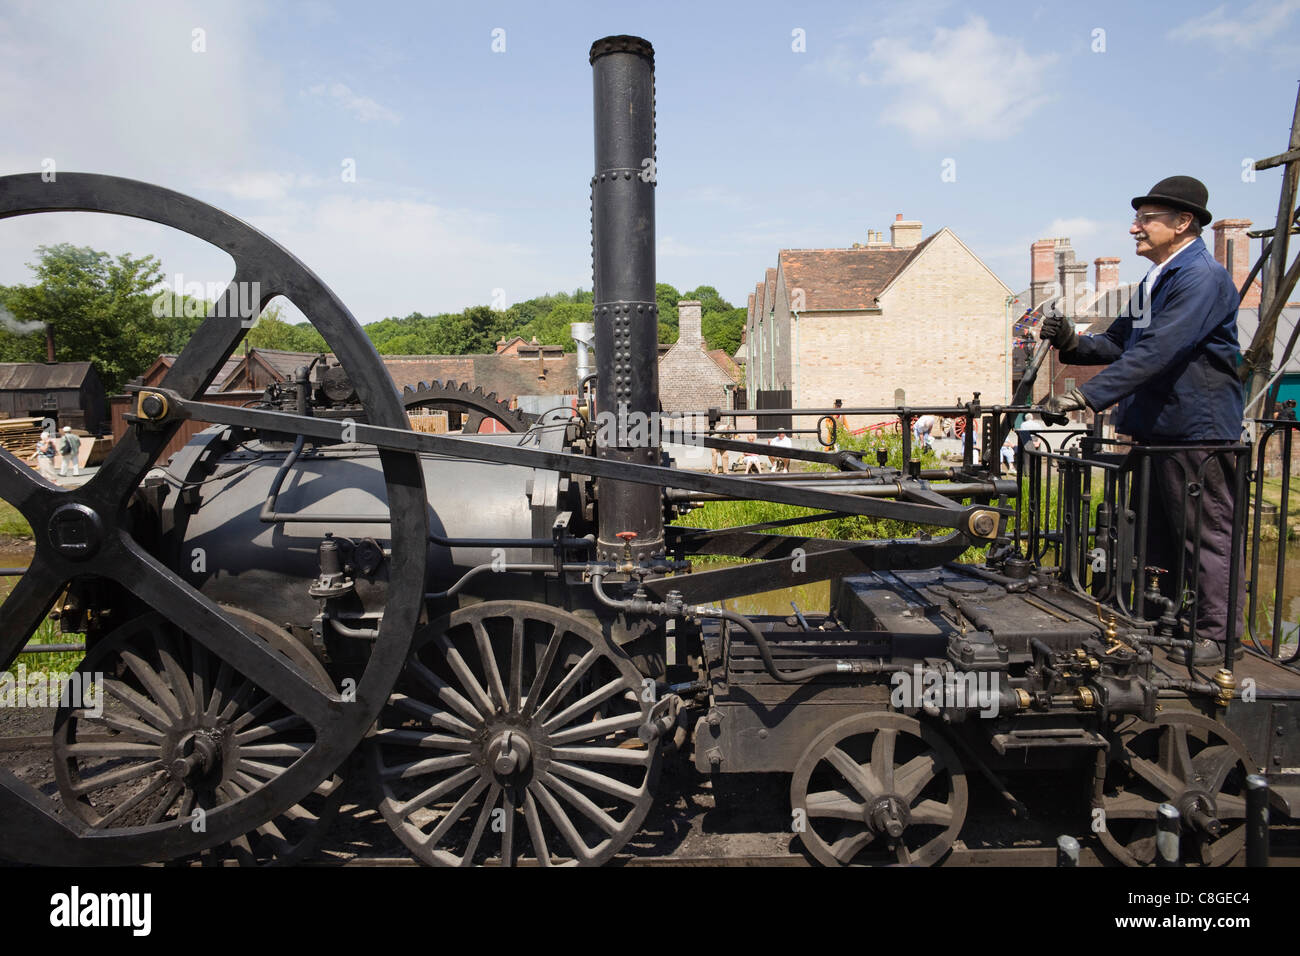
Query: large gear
(473, 403)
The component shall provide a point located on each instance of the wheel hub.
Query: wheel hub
(76, 531)
(888, 815)
(195, 755)
(1198, 812)
(510, 753)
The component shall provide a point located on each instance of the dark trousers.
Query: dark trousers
(1182, 481)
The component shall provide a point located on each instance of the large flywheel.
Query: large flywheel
(513, 736)
(86, 533)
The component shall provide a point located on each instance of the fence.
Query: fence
(1151, 530)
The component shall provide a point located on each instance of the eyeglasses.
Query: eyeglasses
(1141, 218)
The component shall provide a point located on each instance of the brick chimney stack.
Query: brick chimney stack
(1232, 251)
(1074, 277)
(904, 233)
(1107, 273)
(1042, 269)
(1107, 282)
(688, 324)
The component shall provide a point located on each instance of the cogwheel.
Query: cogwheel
(473, 404)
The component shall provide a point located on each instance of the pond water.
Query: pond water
(13, 555)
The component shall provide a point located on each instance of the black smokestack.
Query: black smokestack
(49, 342)
(623, 282)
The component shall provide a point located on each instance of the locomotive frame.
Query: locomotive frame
(516, 681)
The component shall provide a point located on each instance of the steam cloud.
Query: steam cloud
(8, 321)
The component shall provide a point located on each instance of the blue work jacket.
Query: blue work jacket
(1171, 368)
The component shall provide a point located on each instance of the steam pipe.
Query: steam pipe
(639, 605)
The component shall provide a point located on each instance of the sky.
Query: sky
(468, 129)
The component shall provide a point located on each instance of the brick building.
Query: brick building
(924, 315)
(692, 378)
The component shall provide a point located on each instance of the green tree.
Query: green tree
(722, 329)
(272, 332)
(667, 298)
(100, 308)
(554, 327)
(709, 299)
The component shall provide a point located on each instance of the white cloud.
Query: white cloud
(104, 88)
(1254, 26)
(362, 107)
(969, 83)
(392, 257)
(264, 185)
(1077, 228)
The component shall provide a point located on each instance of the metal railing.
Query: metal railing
(1107, 513)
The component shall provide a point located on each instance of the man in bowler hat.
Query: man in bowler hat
(1172, 376)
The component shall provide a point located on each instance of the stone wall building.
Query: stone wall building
(924, 315)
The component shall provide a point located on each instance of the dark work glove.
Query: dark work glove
(1058, 330)
(1056, 406)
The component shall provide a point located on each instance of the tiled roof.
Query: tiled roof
(507, 375)
(724, 362)
(844, 279)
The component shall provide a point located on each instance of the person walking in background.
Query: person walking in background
(782, 440)
(921, 429)
(1009, 452)
(69, 452)
(44, 456)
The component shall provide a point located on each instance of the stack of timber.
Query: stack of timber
(18, 436)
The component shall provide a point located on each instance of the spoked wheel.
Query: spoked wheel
(172, 732)
(879, 789)
(86, 534)
(1184, 759)
(512, 737)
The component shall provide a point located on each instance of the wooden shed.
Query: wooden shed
(69, 392)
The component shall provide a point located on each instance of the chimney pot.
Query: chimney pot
(904, 233)
(1232, 251)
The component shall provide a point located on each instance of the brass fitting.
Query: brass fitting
(151, 406)
(983, 524)
(1086, 699)
(1227, 686)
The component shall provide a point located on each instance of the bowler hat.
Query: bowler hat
(1179, 192)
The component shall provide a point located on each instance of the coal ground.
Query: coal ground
(695, 820)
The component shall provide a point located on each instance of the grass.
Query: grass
(12, 524)
(62, 662)
(730, 514)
